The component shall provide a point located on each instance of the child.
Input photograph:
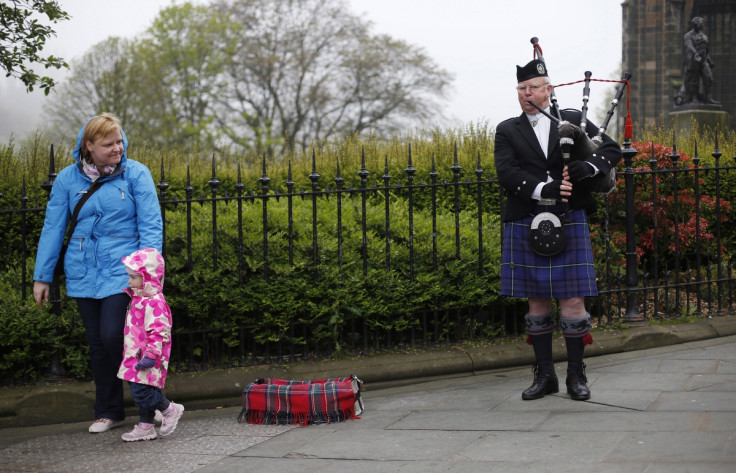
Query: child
(148, 345)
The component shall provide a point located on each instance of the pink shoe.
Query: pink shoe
(171, 418)
(139, 433)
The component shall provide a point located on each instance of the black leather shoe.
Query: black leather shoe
(577, 386)
(544, 383)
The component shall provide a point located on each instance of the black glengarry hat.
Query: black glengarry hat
(534, 68)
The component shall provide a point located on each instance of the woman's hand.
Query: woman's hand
(40, 292)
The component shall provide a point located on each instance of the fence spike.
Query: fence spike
(363, 173)
(410, 170)
(239, 185)
(289, 180)
(338, 179)
(264, 179)
(47, 184)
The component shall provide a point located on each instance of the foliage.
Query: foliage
(669, 230)
(99, 81)
(700, 140)
(311, 70)
(32, 338)
(176, 75)
(24, 167)
(22, 37)
(275, 291)
(260, 76)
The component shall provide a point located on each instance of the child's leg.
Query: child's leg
(144, 429)
(147, 398)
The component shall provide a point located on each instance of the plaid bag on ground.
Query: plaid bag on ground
(283, 402)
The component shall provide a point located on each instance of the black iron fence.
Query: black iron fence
(662, 245)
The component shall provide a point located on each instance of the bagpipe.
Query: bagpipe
(575, 143)
(547, 235)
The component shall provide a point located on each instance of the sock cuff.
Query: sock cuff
(540, 324)
(575, 328)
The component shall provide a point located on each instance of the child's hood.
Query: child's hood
(149, 263)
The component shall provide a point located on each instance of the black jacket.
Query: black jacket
(521, 164)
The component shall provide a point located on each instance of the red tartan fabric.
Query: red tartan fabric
(290, 382)
(281, 401)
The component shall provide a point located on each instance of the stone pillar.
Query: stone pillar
(712, 116)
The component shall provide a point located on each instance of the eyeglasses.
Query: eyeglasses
(522, 88)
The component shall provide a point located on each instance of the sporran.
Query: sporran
(547, 235)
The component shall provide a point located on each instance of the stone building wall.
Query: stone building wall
(653, 51)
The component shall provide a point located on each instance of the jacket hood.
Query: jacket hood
(149, 263)
(77, 152)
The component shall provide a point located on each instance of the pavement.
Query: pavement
(663, 400)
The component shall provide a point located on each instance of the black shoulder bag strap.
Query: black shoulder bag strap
(59, 268)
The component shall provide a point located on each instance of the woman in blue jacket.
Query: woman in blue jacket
(122, 216)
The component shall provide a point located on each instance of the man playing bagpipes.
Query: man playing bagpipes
(549, 168)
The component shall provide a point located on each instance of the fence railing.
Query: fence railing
(662, 247)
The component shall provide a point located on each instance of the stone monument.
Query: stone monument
(695, 99)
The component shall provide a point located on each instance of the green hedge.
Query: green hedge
(35, 338)
(325, 295)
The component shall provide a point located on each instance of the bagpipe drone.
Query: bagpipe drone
(547, 230)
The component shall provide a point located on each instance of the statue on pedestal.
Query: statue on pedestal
(697, 77)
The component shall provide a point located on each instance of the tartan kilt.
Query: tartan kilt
(570, 273)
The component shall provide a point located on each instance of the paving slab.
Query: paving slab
(685, 467)
(726, 367)
(484, 421)
(674, 447)
(700, 401)
(541, 446)
(651, 381)
(688, 365)
(624, 399)
(640, 421)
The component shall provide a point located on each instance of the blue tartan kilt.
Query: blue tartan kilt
(570, 273)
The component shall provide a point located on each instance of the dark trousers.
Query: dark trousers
(104, 321)
(148, 399)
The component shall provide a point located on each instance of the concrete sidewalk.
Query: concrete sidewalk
(667, 408)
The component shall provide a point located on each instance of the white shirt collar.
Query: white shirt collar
(537, 116)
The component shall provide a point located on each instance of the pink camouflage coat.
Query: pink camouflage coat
(148, 321)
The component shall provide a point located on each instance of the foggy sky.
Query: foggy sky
(479, 41)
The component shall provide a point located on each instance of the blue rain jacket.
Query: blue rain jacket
(122, 216)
